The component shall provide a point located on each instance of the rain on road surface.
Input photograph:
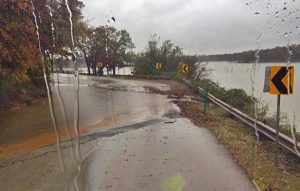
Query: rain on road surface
(145, 145)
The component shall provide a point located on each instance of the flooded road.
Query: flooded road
(131, 140)
(104, 103)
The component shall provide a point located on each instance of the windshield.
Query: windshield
(149, 95)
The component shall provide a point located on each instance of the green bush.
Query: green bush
(238, 98)
(6, 88)
(213, 88)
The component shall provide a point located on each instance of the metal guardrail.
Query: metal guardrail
(285, 141)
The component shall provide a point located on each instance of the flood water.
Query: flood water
(127, 70)
(104, 103)
(237, 75)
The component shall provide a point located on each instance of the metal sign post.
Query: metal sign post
(277, 131)
(279, 80)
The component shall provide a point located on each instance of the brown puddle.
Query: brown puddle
(47, 137)
(31, 128)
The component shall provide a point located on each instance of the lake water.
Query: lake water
(119, 70)
(237, 75)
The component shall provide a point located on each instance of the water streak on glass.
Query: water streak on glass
(60, 99)
(76, 109)
(54, 121)
(293, 131)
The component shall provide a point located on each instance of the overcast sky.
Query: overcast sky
(201, 26)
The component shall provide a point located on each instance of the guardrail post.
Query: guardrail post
(205, 100)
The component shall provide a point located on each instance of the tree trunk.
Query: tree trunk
(114, 69)
(94, 68)
(86, 61)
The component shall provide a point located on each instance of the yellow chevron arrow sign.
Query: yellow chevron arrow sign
(158, 66)
(185, 68)
(282, 80)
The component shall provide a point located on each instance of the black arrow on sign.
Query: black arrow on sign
(185, 68)
(277, 80)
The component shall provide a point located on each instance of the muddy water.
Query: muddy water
(104, 103)
(119, 70)
(23, 122)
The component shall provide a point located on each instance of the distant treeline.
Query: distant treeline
(278, 54)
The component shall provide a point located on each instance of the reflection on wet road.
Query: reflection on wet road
(131, 140)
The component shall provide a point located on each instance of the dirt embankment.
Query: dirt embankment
(177, 89)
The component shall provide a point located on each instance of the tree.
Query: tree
(20, 59)
(105, 44)
(84, 42)
(145, 61)
(18, 53)
(171, 57)
(119, 45)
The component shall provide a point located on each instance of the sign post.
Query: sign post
(279, 81)
(277, 130)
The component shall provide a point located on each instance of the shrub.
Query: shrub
(6, 88)
(238, 98)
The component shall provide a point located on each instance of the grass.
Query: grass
(257, 158)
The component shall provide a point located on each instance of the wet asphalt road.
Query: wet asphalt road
(169, 155)
(146, 145)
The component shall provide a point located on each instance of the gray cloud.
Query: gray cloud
(201, 26)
